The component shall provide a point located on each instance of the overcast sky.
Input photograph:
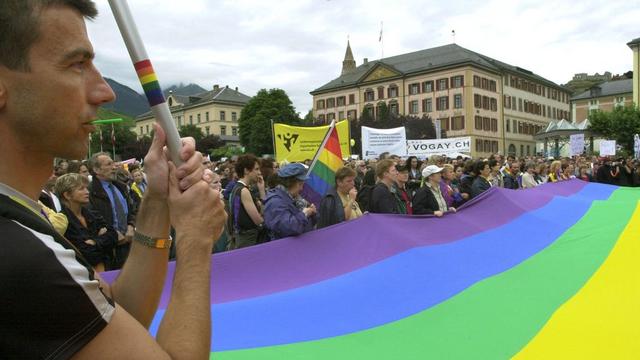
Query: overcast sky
(299, 45)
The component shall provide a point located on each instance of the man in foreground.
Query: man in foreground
(54, 304)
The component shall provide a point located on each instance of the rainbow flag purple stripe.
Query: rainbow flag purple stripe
(149, 81)
(541, 273)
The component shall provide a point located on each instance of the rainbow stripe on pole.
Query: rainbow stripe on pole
(149, 81)
(146, 75)
(544, 273)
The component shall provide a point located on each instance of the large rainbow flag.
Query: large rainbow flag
(322, 171)
(545, 273)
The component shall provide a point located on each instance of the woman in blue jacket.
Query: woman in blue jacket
(285, 214)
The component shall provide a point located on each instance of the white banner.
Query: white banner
(426, 148)
(636, 145)
(378, 141)
(607, 147)
(577, 144)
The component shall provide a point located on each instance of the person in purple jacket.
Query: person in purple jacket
(282, 214)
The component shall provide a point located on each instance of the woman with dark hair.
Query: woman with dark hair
(584, 173)
(626, 172)
(496, 178)
(268, 169)
(415, 175)
(481, 182)
(87, 231)
(468, 175)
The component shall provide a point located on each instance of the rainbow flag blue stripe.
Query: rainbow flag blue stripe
(542, 273)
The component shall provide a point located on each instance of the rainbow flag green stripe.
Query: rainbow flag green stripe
(497, 317)
(149, 82)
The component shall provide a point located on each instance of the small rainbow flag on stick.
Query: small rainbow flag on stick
(325, 163)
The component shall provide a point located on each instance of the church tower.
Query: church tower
(349, 64)
(635, 46)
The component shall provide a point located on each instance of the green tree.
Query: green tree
(308, 119)
(620, 125)
(103, 139)
(192, 131)
(255, 119)
(209, 143)
(225, 151)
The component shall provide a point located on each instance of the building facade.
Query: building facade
(608, 95)
(216, 112)
(498, 105)
(605, 97)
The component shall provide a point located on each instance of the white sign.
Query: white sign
(438, 126)
(426, 148)
(577, 144)
(636, 145)
(607, 147)
(378, 141)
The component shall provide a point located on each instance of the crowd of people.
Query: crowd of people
(94, 202)
(99, 215)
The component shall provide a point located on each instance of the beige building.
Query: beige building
(605, 97)
(498, 105)
(216, 112)
(609, 94)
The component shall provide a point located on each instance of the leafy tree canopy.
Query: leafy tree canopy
(255, 119)
(620, 125)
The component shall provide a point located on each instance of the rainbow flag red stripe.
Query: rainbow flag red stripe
(323, 170)
(149, 82)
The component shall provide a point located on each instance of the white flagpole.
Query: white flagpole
(147, 76)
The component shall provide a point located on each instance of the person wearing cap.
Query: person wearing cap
(429, 199)
(400, 190)
(281, 215)
(382, 199)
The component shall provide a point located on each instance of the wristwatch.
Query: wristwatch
(156, 243)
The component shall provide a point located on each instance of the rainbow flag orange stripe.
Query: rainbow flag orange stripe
(149, 81)
(322, 174)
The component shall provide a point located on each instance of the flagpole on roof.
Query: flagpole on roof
(324, 142)
(381, 41)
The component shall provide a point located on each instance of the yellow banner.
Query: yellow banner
(297, 143)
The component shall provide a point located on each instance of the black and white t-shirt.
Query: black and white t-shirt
(50, 304)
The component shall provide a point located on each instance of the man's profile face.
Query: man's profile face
(105, 168)
(49, 108)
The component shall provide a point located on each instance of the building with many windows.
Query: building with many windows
(605, 96)
(499, 106)
(216, 112)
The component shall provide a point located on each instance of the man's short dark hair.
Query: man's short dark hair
(245, 162)
(344, 172)
(20, 27)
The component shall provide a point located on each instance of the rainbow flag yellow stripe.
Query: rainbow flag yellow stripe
(149, 81)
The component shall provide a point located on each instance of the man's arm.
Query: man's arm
(185, 331)
(140, 283)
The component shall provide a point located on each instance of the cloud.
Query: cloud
(299, 45)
